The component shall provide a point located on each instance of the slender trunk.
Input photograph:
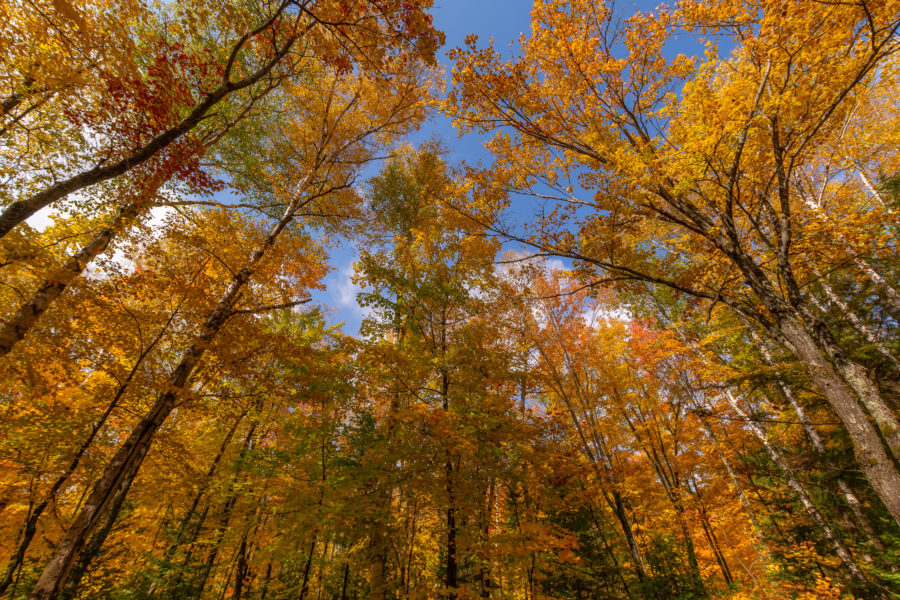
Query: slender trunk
(20, 210)
(225, 516)
(818, 445)
(857, 323)
(452, 574)
(669, 481)
(132, 452)
(213, 554)
(451, 582)
(836, 544)
(713, 542)
(304, 588)
(240, 574)
(620, 573)
(603, 470)
(20, 323)
(95, 545)
(344, 584)
(869, 451)
(377, 565)
(869, 187)
(175, 587)
(210, 473)
(265, 588)
(30, 527)
(760, 544)
(892, 295)
(693, 563)
(484, 568)
(618, 506)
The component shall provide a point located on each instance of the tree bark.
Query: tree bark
(268, 577)
(20, 210)
(836, 544)
(451, 581)
(225, 516)
(344, 584)
(30, 527)
(818, 445)
(603, 468)
(242, 570)
(132, 452)
(857, 323)
(892, 295)
(95, 545)
(210, 473)
(868, 449)
(15, 328)
(304, 587)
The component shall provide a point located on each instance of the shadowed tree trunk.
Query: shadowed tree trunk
(132, 452)
(20, 210)
(30, 527)
(93, 548)
(225, 515)
(834, 541)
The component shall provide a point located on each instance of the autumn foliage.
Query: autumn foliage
(647, 350)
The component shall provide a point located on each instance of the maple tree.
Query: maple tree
(699, 191)
(679, 380)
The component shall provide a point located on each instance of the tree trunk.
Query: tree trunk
(452, 574)
(856, 377)
(304, 588)
(760, 544)
(713, 542)
(240, 574)
(620, 573)
(210, 473)
(344, 584)
(669, 481)
(30, 527)
(95, 545)
(225, 516)
(265, 589)
(818, 445)
(484, 567)
(24, 319)
(377, 565)
(857, 323)
(890, 293)
(132, 452)
(603, 469)
(836, 544)
(867, 446)
(18, 211)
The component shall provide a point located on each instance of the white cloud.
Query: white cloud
(346, 288)
(42, 219)
(342, 293)
(598, 314)
(554, 264)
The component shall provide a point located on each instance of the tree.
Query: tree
(696, 191)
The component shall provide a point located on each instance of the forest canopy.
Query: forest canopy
(646, 348)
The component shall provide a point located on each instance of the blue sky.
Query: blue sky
(505, 20)
(502, 20)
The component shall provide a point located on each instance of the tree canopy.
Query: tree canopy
(647, 348)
